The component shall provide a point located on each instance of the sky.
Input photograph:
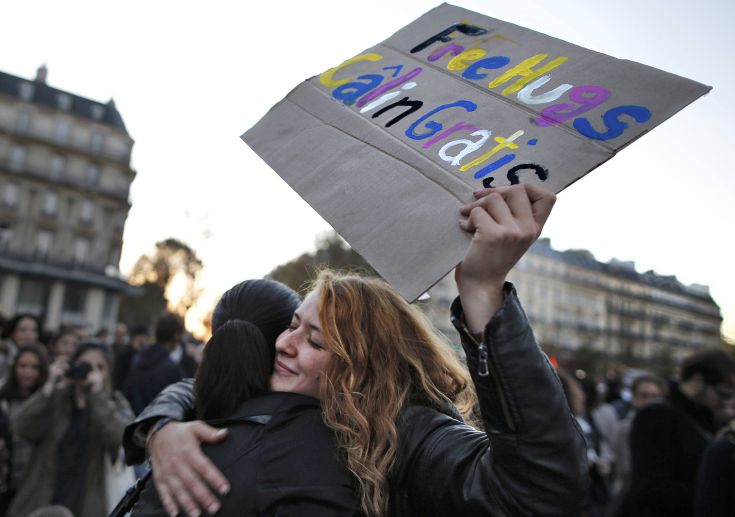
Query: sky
(190, 77)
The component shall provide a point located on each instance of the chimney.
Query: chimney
(41, 74)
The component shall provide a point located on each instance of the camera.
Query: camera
(79, 371)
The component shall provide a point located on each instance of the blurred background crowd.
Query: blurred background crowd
(65, 400)
(656, 446)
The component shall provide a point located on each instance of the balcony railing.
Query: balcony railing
(43, 175)
(68, 144)
(51, 260)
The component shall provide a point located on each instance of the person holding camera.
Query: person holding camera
(73, 420)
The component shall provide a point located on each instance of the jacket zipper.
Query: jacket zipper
(484, 369)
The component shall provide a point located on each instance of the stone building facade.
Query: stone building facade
(574, 301)
(65, 178)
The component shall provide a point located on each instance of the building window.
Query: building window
(93, 174)
(25, 90)
(44, 241)
(86, 211)
(124, 149)
(81, 249)
(10, 195)
(18, 157)
(114, 256)
(117, 220)
(50, 203)
(63, 128)
(63, 101)
(97, 142)
(107, 316)
(23, 122)
(32, 296)
(58, 163)
(6, 234)
(75, 302)
(98, 112)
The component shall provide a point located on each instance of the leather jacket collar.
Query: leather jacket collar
(261, 409)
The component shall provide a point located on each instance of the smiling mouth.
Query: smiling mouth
(282, 369)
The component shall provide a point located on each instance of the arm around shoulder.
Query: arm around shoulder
(175, 402)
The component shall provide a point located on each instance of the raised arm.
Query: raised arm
(531, 459)
(504, 222)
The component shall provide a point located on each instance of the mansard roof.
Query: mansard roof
(38, 92)
(624, 269)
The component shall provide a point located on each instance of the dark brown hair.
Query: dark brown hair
(11, 389)
(714, 365)
(238, 359)
(235, 367)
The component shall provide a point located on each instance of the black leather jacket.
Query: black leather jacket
(280, 457)
(531, 459)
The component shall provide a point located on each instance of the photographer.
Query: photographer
(74, 420)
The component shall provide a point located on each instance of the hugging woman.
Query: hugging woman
(396, 399)
(278, 455)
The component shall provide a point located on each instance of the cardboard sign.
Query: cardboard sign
(387, 145)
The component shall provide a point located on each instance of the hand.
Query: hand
(57, 369)
(504, 221)
(182, 473)
(95, 381)
(56, 374)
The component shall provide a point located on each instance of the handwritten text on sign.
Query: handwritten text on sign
(477, 152)
(389, 144)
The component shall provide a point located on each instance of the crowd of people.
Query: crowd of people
(65, 400)
(347, 402)
(656, 447)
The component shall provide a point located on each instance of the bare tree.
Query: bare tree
(173, 266)
(332, 251)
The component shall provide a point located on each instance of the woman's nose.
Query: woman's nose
(286, 345)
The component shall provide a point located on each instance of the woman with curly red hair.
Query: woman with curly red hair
(394, 395)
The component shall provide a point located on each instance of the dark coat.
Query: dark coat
(715, 495)
(188, 365)
(280, 460)
(532, 458)
(667, 441)
(6, 453)
(531, 461)
(122, 357)
(151, 370)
